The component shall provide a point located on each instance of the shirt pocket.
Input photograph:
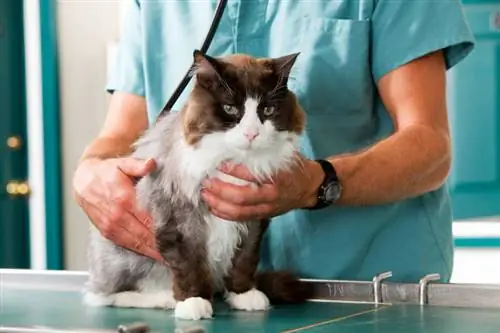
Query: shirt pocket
(332, 73)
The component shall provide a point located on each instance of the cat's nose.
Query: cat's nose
(251, 135)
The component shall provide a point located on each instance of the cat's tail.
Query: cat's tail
(282, 287)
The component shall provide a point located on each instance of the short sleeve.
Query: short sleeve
(126, 71)
(404, 30)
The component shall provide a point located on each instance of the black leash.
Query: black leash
(206, 44)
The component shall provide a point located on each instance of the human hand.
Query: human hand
(105, 191)
(287, 190)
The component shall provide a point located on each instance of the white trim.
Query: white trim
(34, 99)
(477, 229)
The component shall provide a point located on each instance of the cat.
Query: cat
(239, 110)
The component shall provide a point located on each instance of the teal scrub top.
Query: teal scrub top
(345, 47)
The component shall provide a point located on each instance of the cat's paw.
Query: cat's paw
(194, 308)
(97, 300)
(252, 300)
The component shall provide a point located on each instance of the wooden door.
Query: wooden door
(14, 208)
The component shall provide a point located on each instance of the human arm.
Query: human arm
(103, 182)
(125, 121)
(416, 158)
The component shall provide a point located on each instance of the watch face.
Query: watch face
(332, 192)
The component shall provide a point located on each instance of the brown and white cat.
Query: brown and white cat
(240, 110)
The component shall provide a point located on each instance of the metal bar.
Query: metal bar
(437, 294)
(434, 294)
(464, 295)
(342, 291)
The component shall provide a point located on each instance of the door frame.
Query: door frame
(42, 91)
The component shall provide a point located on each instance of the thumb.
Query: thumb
(136, 167)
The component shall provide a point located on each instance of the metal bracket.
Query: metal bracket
(423, 283)
(377, 286)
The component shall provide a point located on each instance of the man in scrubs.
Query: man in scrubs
(371, 78)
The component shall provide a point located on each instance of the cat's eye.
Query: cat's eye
(269, 111)
(230, 109)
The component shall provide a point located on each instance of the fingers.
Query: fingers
(124, 200)
(135, 167)
(233, 212)
(126, 232)
(144, 218)
(142, 233)
(241, 195)
(130, 241)
(136, 237)
(222, 215)
(238, 171)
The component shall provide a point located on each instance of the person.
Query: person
(371, 77)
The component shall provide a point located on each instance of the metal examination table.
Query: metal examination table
(50, 301)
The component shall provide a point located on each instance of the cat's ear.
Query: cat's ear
(204, 65)
(283, 65)
(207, 70)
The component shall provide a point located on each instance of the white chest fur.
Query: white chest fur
(224, 238)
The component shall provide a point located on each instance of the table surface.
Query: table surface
(63, 309)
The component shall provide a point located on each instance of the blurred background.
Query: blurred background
(54, 57)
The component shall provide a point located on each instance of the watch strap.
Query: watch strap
(330, 176)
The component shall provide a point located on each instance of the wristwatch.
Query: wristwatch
(330, 189)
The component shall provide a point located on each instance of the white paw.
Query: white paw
(93, 299)
(252, 300)
(194, 308)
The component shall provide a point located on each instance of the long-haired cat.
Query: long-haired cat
(240, 110)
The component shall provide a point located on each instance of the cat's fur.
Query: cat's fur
(232, 96)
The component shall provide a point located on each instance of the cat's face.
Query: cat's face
(244, 102)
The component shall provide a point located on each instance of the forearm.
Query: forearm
(410, 162)
(107, 147)
(125, 122)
